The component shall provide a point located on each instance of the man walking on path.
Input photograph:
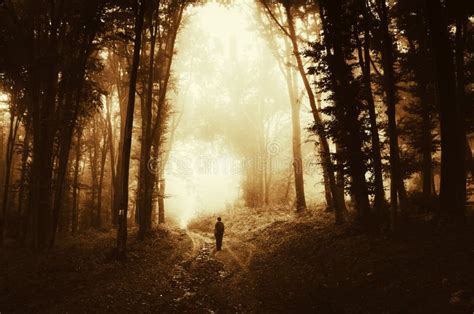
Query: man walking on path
(219, 233)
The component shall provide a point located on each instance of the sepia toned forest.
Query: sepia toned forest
(334, 138)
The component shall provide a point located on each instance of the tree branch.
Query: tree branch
(282, 28)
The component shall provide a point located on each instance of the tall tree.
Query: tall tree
(325, 157)
(76, 184)
(397, 187)
(288, 70)
(103, 159)
(122, 197)
(453, 176)
(15, 118)
(347, 129)
(145, 182)
(364, 58)
(419, 125)
(23, 183)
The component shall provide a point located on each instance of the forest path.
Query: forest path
(210, 280)
(266, 266)
(235, 254)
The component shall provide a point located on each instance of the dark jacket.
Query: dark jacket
(219, 228)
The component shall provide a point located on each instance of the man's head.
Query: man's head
(219, 219)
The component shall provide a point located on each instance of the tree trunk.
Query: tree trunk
(460, 39)
(93, 156)
(63, 160)
(426, 154)
(110, 141)
(75, 186)
(24, 212)
(13, 128)
(346, 108)
(453, 179)
(296, 138)
(423, 92)
(364, 61)
(43, 93)
(161, 201)
(42, 168)
(145, 204)
(326, 158)
(157, 131)
(103, 159)
(340, 179)
(295, 119)
(397, 188)
(122, 91)
(122, 197)
(292, 87)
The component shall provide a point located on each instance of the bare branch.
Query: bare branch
(282, 28)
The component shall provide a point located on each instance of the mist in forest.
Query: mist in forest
(233, 114)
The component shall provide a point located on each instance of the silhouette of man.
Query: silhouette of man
(219, 233)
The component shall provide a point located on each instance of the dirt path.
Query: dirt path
(235, 255)
(211, 281)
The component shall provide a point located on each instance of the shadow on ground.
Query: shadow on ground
(273, 261)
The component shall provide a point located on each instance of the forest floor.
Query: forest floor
(273, 261)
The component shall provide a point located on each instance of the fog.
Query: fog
(231, 114)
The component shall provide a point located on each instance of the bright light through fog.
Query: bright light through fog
(229, 95)
(221, 20)
(200, 181)
(226, 23)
